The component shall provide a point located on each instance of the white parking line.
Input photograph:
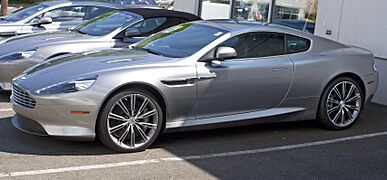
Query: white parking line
(195, 157)
(6, 110)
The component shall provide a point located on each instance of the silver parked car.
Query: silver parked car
(52, 16)
(196, 74)
(115, 29)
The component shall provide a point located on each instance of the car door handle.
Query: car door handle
(278, 69)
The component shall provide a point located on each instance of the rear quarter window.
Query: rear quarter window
(295, 44)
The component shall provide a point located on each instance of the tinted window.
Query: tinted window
(154, 25)
(149, 25)
(296, 44)
(166, 23)
(94, 11)
(253, 45)
(172, 22)
(24, 13)
(105, 23)
(73, 13)
(181, 40)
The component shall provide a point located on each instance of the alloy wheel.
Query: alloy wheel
(132, 121)
(343, 104)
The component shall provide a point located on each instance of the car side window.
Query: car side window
(148, 26)
(64, 14)
(94, 11)
(253, 45)
(296, 44)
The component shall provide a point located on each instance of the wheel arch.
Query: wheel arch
(351, 75)
(160, 97)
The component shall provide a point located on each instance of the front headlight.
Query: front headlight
(69, 86)
(18, 55)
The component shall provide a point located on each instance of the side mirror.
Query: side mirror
(43, 20)
(223, 53)
(132, 32)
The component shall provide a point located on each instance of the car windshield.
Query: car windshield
(24, 13)
(106, 23)
(181, 41)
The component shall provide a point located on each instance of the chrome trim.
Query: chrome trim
(344, 104)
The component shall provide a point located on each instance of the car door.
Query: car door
(257, 79)
(64, 18)
(146, 28)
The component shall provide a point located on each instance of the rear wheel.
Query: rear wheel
(130, 121)
(341, 104)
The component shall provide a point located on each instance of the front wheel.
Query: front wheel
(130, 121)
(341, 104)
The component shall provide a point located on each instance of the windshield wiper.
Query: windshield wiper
(148, 50)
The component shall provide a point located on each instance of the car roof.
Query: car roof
(152, 12)
(236, 26)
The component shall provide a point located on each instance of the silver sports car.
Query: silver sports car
(202, 74)
(52, 16)
(116, 29)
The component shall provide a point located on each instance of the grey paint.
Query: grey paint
(295, 90)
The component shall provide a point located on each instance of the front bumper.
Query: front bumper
(56, 120)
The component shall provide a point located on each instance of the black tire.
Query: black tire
(326, 119)
(102, 122)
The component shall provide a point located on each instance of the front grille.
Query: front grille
(21, 97)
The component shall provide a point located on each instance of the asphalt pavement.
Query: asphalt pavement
(295, 150)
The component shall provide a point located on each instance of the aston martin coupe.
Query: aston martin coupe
(198, 74)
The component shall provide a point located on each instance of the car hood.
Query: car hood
(32, 41)
(72, 67)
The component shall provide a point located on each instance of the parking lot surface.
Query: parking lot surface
(296, 150)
